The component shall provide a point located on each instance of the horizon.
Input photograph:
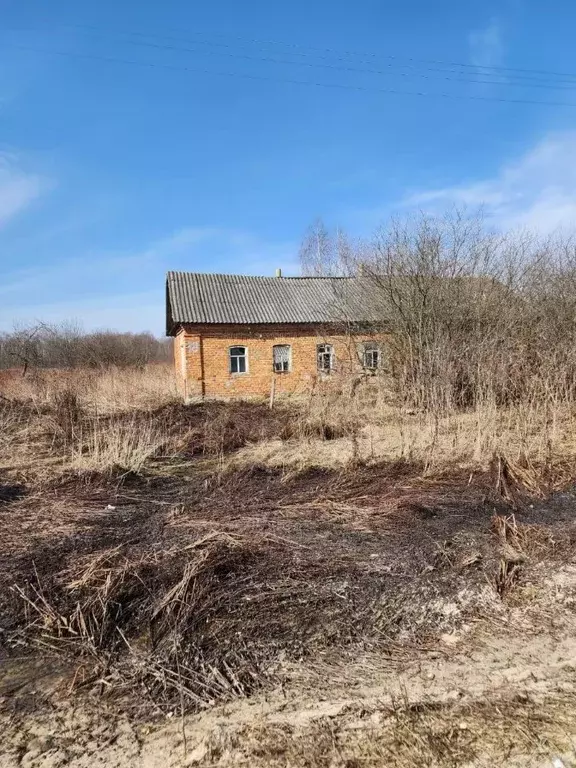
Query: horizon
(138, 141)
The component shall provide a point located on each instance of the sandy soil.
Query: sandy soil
(481, 681)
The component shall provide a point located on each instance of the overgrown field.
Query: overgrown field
(160, 559)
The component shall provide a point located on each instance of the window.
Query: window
(325, 356)
(281, 356)
(238, 360)
(371, 356)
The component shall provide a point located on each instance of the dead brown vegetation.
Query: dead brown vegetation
(67, 346)
(513, 731)
(165, 561)
(194, 580)
(476, 317)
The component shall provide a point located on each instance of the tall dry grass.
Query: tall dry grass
(82, 419)
(103, 391)
(98, 421)
(125, 444)
(67, 419)
(337, 429)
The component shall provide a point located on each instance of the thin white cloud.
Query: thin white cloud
(536, 191)
(180, 240)
(213, 249)
(486, 45)
(126, 290)
(141, 311)
(18, 189)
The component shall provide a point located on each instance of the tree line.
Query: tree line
(67, 345)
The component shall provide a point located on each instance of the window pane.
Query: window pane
(238, 359)
(281, 357)
(280, 353)
(325, 357)
(371, 356)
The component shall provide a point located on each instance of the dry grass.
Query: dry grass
(102, 391)
(56, 421)
(171, 562)
(330, 428)
(125, 444)
(336, 430)
(504, 731)
(201, 589)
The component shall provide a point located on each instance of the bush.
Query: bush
(68, 346)
(473, 316)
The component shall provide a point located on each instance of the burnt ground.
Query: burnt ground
(193, 584)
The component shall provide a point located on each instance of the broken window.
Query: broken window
(325, 356)
(238, 359)
(371, 357)
(281, 356)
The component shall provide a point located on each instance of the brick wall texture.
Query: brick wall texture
(202, 358)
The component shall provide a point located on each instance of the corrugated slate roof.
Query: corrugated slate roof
(192, 297)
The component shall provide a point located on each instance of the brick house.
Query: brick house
(236, 335)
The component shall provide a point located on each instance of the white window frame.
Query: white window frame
(231, 357)
(370, 348)
(327, 349)
(283, 370)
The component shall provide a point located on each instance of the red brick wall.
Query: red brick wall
(205, 350)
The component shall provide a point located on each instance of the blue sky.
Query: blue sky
(123, 153)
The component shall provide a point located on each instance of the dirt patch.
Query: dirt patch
(490, 699)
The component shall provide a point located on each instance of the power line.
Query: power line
(570, 81)
(403, 66)
(290, 81)
(418, 61)
(367, 54)
(315, 65)
(462, 76)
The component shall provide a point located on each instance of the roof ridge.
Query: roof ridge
(261, 277)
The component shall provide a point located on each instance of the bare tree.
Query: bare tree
(325, 253)
(317, 250)
(66, 345)
(22, 348)
(471, 314)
